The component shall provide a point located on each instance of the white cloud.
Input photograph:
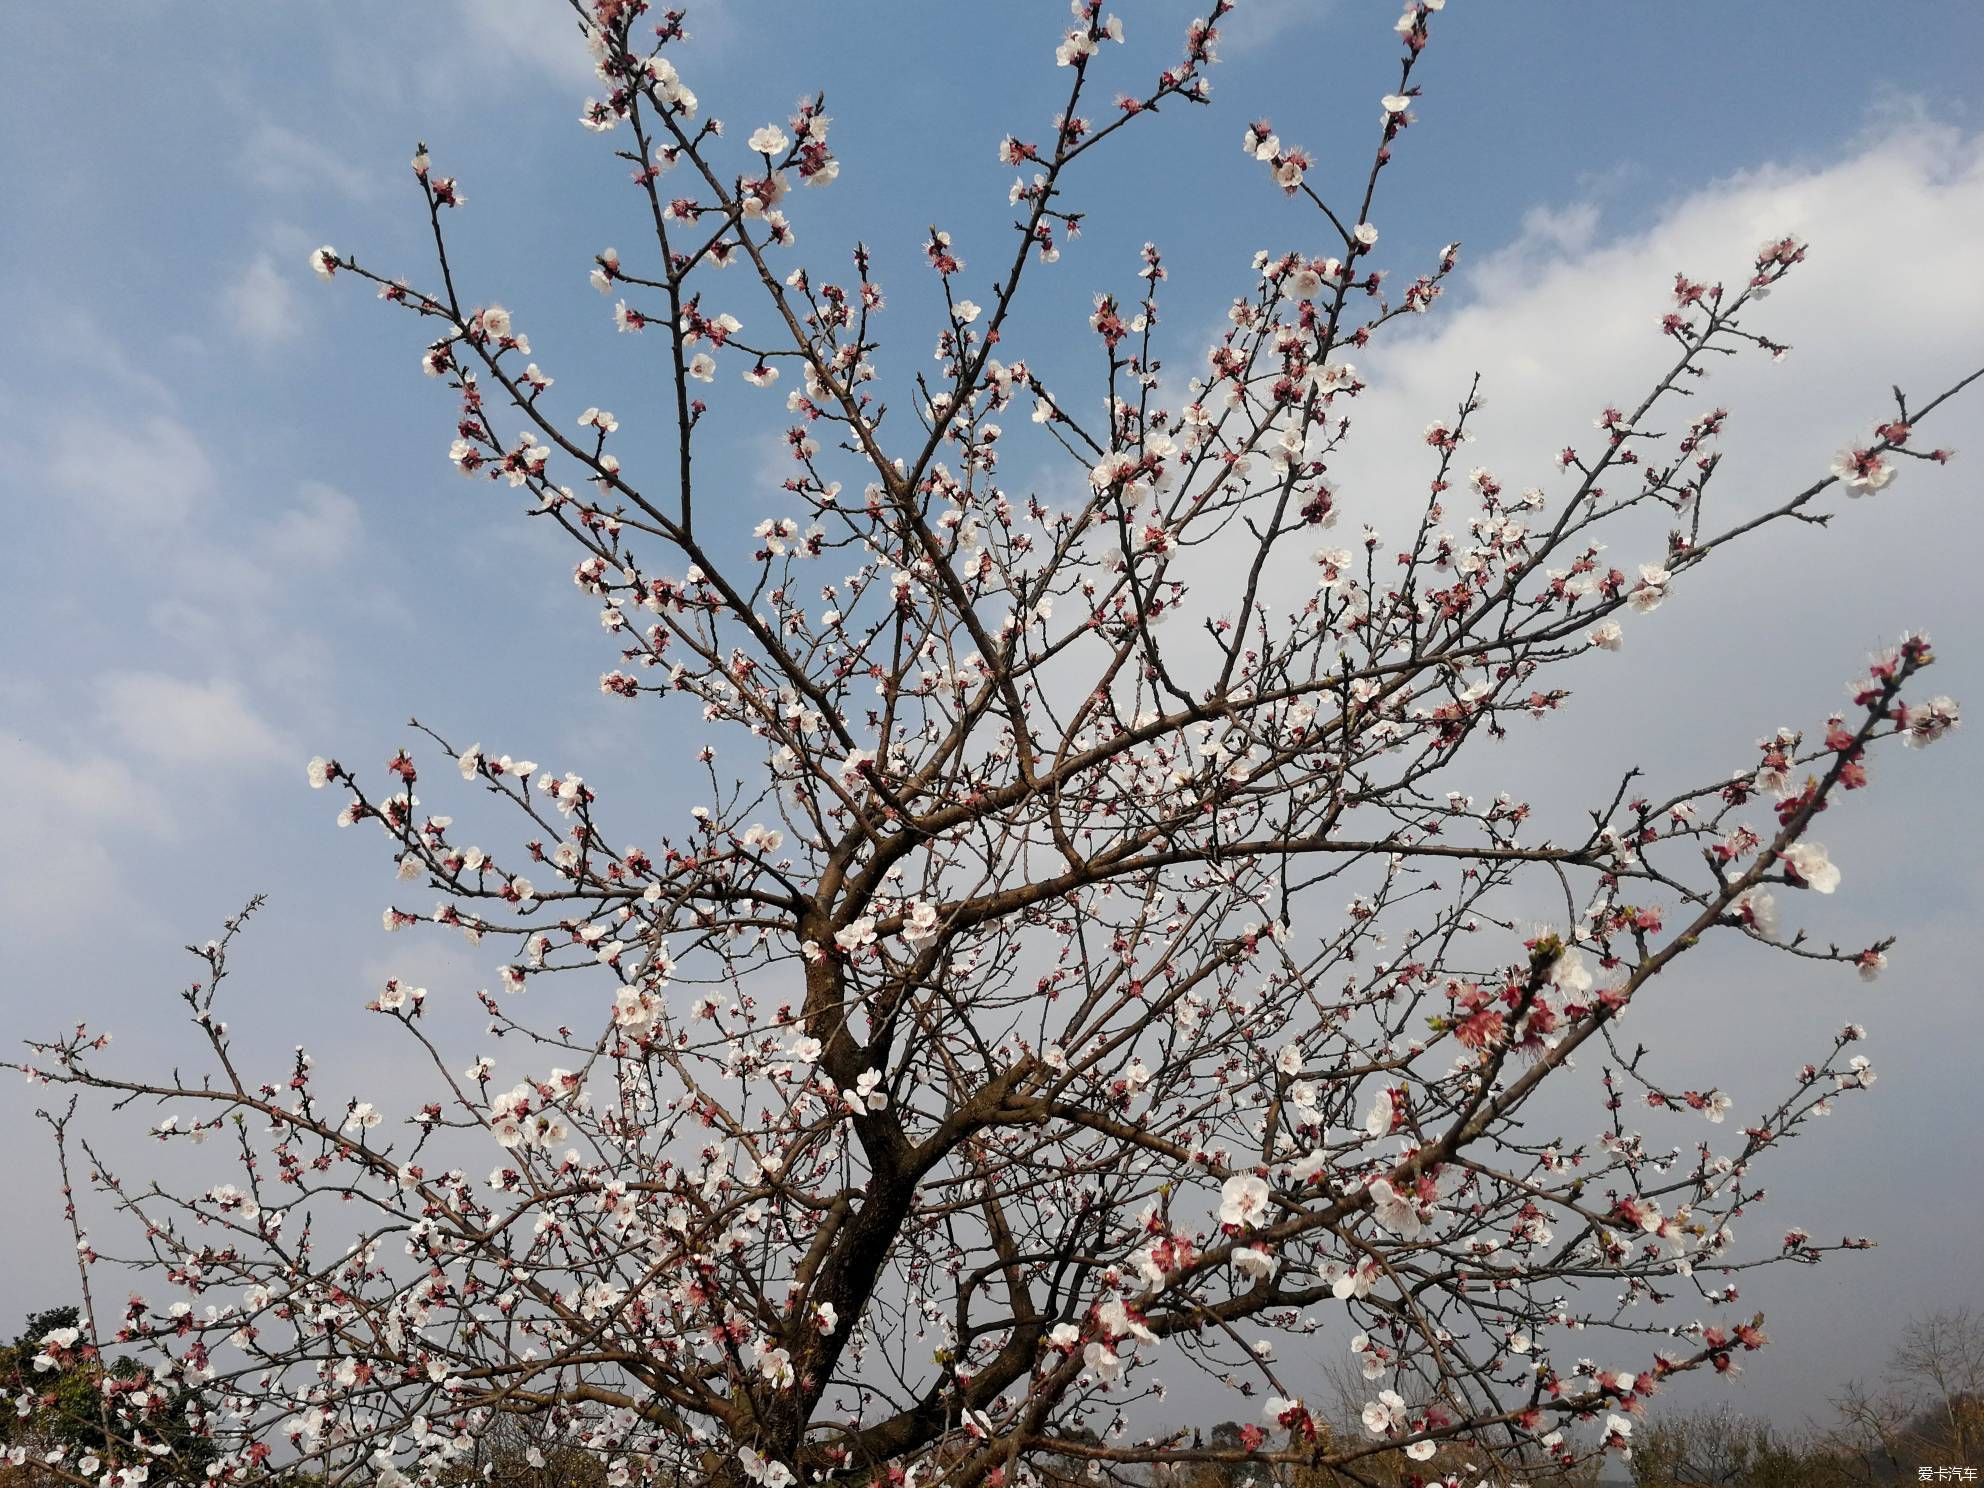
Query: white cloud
(1564, 321)
(88, 789)
(542, 37)
(1549, 234)
(278, 158)
(68, 334)
(145, 477)
(188, 723)
(320, 531)
(58, 863)
(1258, 24)
(528, 33)
(263, 304)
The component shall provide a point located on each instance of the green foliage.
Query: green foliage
(66, 1409)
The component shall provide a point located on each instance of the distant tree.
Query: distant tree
(62, 1410)
(1939, 1362)
(68, 1404)
(1926, 1417)
(1928, 1413)
(1869, 1435)
(1721, 1448)
(1096, 956)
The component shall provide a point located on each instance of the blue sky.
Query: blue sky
(234, 540)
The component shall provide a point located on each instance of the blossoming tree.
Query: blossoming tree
(995, 1044)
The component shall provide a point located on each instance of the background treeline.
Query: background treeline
(1924, 1412)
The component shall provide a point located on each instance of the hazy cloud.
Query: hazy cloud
(263, 305)
(1258, 24)
(187, 723)
(58, 857)
(319, 531)
(533, 34)
(143, 476)
(277, 158)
